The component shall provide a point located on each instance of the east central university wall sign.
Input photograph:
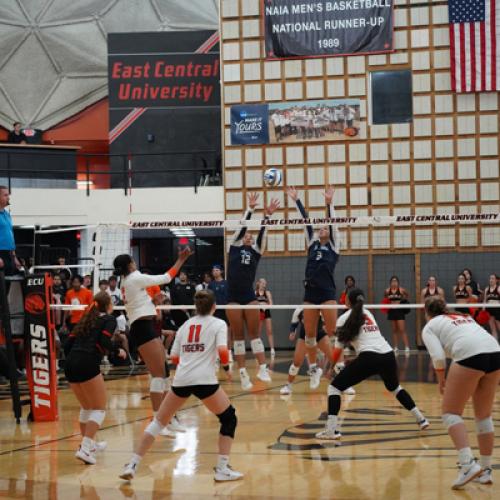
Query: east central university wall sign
(295, 28)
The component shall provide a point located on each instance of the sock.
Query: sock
(465, 456)
(87, 443)
(243, 370)
(222, 461)
(485, 461)
(263, 366)
(135, 460)
(417, 414)
(331, 423)
(155, 413)
(312, 366)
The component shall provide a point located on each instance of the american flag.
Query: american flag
(474, 45)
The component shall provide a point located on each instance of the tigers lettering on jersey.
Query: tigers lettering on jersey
(370, 326)
(194, 344)
(458, 319)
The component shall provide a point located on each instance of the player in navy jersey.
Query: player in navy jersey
(319, 283)
(244, 257)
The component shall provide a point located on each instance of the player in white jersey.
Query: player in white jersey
(141, 313)
(474, 372)
(197, 344)
(375, 356)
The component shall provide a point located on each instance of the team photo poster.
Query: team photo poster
(292, 122)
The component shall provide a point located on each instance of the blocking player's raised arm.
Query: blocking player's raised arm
(294, 195)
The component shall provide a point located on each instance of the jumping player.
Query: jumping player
(141, 312)
(244, 257)
(319, 283)
(197, 344)
(84, 348)
(475, 372)
(375, 357)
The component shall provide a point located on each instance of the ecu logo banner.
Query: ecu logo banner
(40, 348)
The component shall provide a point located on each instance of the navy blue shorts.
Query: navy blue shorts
(317, 295)
(319, 335)
(241, 297)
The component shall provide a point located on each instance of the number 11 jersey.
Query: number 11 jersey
(196, 345)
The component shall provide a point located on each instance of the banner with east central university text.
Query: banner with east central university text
(298, 28)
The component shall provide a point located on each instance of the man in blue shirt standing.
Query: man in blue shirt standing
(8, 259)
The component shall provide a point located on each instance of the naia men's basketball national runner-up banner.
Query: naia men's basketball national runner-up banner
(40, 348)
(295, 28)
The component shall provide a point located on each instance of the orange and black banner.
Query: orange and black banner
(40, 347)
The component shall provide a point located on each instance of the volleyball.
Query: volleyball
(272, 177)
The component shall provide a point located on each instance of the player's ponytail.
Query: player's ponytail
(98, 306)
(435, 306)
(350, 330)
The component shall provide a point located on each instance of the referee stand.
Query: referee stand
(5, 321)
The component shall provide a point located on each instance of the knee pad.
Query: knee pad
(333, 391)
(293, 370)
(167, 384)
(310, 341)
(154, 428)
(449, 420)
(97, 416)
(257, 346)
(485, 426)
(239, 347)
(228, 421)
(157, 384)
(84, 415)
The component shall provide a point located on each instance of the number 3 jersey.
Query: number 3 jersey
(369, 338)
(196, 345)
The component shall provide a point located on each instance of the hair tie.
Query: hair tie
(360, 298)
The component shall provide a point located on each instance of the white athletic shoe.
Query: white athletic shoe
(128, 472)
(175, 425)
(315, 377)
(328, 435)
(396, 350)
(484, 477)
(167, 432)
(350, 391)
(467, 473)
(100, 446)
(263, 374)
(423, 424)
(286, 390)
(246, 385)
(226, 474)
(86, 456)
(407, 351)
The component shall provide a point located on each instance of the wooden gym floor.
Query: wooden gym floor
(382, 453)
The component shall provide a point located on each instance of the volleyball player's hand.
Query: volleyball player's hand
(293, 193)
(329, 192)
(122, 354)
(185, 253)
(253, 199)
(291, 336)
(272, 207)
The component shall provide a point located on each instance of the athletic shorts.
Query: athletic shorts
(81, 366)
(9, 264)
(241, 297)
(142, 331)
(319, 335)
(367, 364)
(265, 314)
(200, 391)
(317, 295)
(486, 362)
(495, 312)
(396, 314)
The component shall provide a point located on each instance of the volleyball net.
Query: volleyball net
(414, 248)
